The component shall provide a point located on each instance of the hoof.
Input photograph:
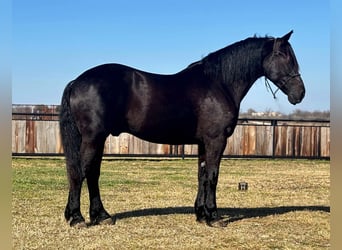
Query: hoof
(80, 225)
(108, 221)
(218, 223)
(77, 224)
(103, 221)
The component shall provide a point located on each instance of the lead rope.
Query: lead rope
(269, 88)
(267, 84)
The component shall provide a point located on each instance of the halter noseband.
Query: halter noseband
(284, 82)
(268, 85)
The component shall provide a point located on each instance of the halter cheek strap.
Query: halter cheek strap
(275, 51)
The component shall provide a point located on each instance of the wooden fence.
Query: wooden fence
(38, 134)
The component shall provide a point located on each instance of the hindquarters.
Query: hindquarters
(84, 129)
(71, 140)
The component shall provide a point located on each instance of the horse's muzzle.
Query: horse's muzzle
(295, 98)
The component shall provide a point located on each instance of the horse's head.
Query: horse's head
(281, 67)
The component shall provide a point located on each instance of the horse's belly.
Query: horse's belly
(171, 138)
(166, 133)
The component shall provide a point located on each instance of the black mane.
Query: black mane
(239, 58)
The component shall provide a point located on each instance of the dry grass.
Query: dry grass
(286, 207)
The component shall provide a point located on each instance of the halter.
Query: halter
(268, 85)
(284, 82)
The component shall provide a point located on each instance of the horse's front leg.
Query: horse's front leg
(208, 171)
(200, 199)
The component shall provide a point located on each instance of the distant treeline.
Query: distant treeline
(295, 115)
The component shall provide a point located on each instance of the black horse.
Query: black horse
(199, 105)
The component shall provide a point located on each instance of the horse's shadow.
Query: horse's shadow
(232, 214)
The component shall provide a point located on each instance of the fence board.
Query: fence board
(29, 136)
(325, 141)
(18, 136)
(264, 138)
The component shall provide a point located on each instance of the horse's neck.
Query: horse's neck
(238, 84)
(236, 67)
(240, 87)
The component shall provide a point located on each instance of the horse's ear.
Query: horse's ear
(287, 36)
(279, 41)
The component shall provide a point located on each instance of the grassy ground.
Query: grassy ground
(286, 206)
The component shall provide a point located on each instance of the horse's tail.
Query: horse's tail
(71, 136)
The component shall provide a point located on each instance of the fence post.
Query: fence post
(273, 124)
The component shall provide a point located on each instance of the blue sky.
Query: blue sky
(55, 41)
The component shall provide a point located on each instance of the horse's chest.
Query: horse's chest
(216, 115)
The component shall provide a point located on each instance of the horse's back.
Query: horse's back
(104, 75)
(122, 99)
(172, 109)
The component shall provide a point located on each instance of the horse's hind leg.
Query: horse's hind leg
(72, 211)
(91, 157)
